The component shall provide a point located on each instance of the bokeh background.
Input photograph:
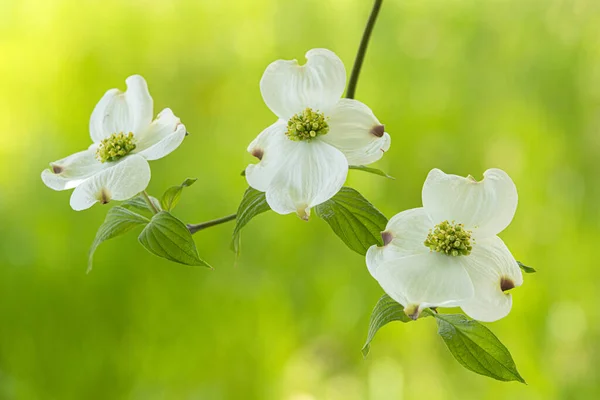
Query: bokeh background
(462, 85)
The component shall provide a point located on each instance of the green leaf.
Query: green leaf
(526, 269)
(118, 221)
(371, 171)
(386, 310)
(353, 219)
(138, 204)
(476, 347)
(171, 197)
(253, 203)
(169, 238)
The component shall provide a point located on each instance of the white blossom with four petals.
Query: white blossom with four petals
(129, 113)
(417, 277)
(300, 174)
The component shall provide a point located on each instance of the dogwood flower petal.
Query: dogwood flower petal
(487, 206)
(123, 180)
(407, 270)
(493, 271)
(356, 132)
(288, 88)
(311, 173)
(303, 157)
(403, 237)
(425, 280)
(162, 137)
(268, 147)
(72, 170)
(428, 261)
(126, 112)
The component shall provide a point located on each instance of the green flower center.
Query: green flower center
(450, 238)
(115, 147)
(307, 125)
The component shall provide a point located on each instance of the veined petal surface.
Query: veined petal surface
(161, 137)
(310, 174)
(116, 112)
(425, 280)
(71, 171)
(404, 236)
(269, 148)
(493, 271)
(288, 88)
(123, 180)
(487, 206)
(356, 132)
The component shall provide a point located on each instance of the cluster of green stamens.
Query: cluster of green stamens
(307, 125)
(450, 238)
(115, 147)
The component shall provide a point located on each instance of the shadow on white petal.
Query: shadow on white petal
(288, 87)
(139, 103)
(488, 205)
(494, 272)
(123, 180)
(161, 137)
(310, 174)
(71, 171)
(408, 230)
(431, 279)
(269, 148)
(117, 111)
(355, 131)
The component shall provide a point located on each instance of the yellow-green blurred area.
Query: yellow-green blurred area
(461, 85)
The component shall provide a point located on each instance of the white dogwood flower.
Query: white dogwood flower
(304, 156)
(115, 166)
(447, 253)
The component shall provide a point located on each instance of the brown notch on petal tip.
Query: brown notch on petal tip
(104, 196)
(386, 237)
(57, 169)
(258, 153)
(506, 284)
(412, 311)
(378, 130)
(303, 212)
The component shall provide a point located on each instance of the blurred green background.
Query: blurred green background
(461, 85)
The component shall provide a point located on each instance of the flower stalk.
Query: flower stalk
(150, 203)
(362, 49)
(193, 228)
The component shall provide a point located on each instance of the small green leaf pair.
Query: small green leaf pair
(171, 197)
(163, 235)
(473, 345)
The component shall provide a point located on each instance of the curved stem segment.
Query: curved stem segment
(193, 228)
(362, 49)
(150, 203)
